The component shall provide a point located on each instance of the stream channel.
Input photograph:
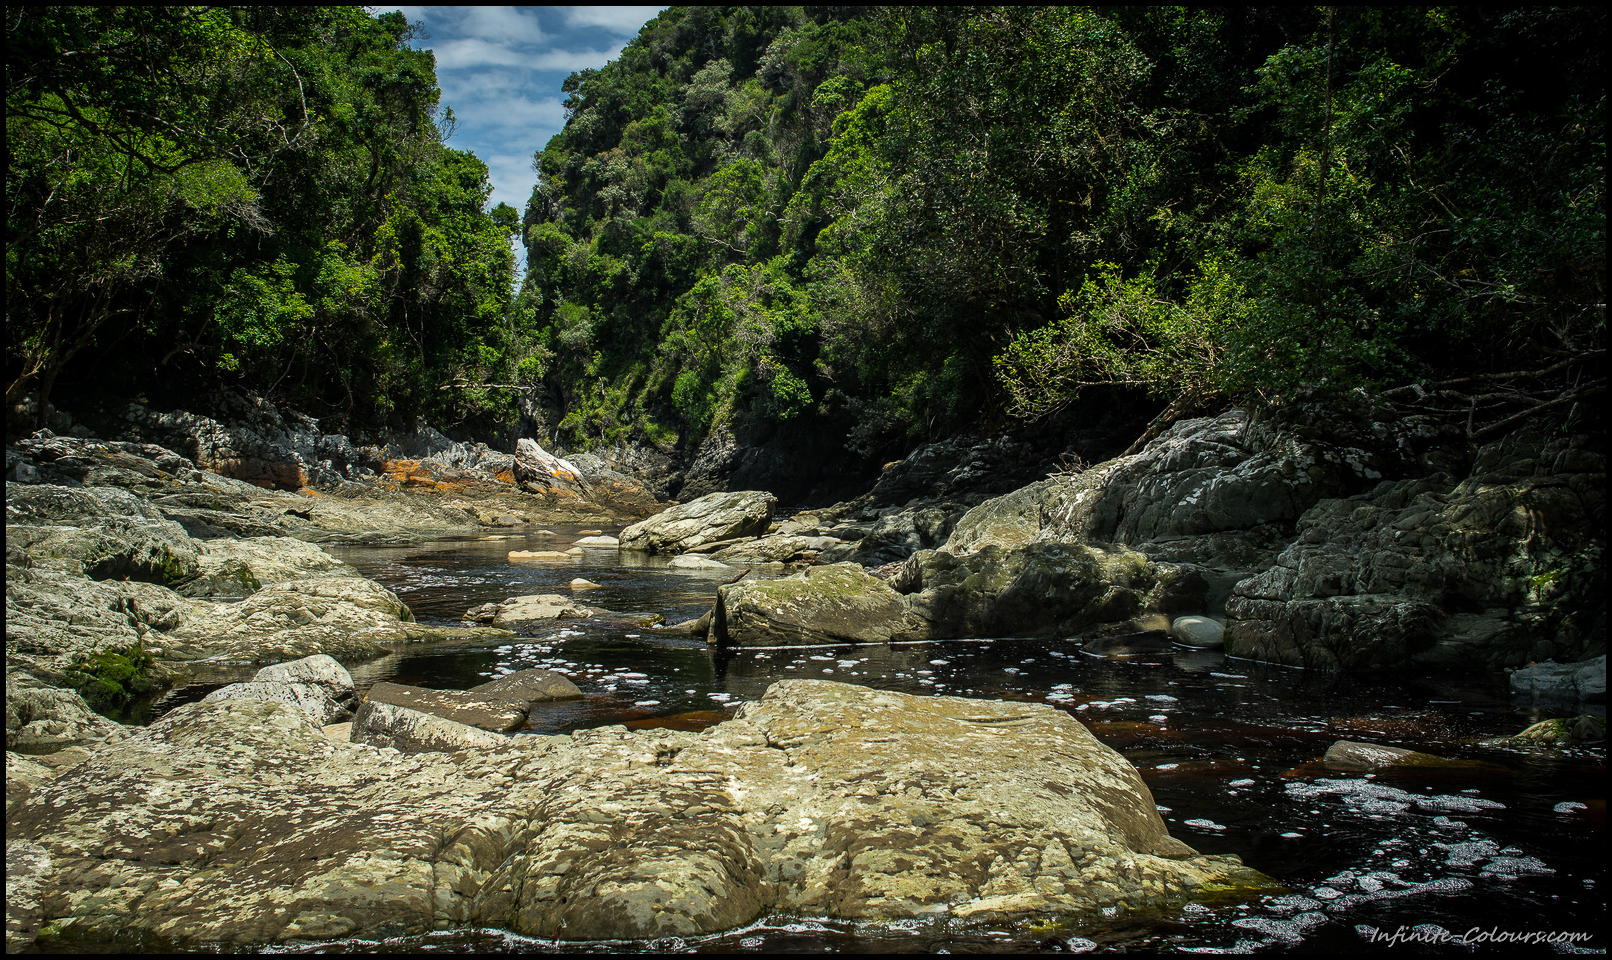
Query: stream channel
(1514, 845)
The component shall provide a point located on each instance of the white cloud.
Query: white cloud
(572, 60)
(511, 110)
(475, 52)
(622, 20)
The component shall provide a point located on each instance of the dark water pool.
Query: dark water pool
(1509, 845)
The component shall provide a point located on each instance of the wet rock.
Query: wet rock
(577, 584)
(533, 685)
(1559, 732)
(1563, 682)
(598, 541)
(696, 562)
(1141, 643)
(481, 709)
(714, 517)
(1351, 755)
(1197, 631)
(551, 555)
(518, 613)
(381, 724)
(837, 603)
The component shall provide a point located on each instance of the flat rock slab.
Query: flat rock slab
(530, 686)
(496, 713)
(239, 821)
(379, 724)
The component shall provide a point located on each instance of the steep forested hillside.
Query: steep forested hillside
(877, 224)
(907, 221)
(255, 196)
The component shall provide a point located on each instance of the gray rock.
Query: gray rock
(711, 518)
(1394, 577)
(696, 562)
(345, 617)
(312, 699)
(533, 685)
(838, 603)
(238, 821)
(238, 568)
(1140, 643)
(538, 610)
(110, 533)
(777, 548)
(1198, 631)
(475, 709)
(28, 869)
(41, 719)
(318, 669)
(1583, 682)
(540, 471)
(379, 724)
(1043, 588)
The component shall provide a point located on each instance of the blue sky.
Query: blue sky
(500, 69)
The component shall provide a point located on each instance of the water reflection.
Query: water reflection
(1229, 748)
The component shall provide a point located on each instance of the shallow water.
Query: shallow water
(1511, 845)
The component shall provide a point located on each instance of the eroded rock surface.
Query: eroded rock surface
(837, 603)
(1497, 569)
(709, 519)
(239, 821)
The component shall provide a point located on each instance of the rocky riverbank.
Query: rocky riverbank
(1336, 537)
(287, 807)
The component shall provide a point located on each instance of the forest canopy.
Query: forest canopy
(916, 219)
(256, 196)
(889, 222)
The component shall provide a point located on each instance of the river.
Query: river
(1509, 844)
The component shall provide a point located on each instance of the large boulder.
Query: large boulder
(1551, 682)
(344, 617)
(836, 603)
(111, 534)
(541, 472)
(1042, 588)
(711, 518)
(1497, 569)
(42, 719)
(239, 821)
(237, 568)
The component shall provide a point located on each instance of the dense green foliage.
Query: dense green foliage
(253, 195)
(890, 222)
(915, 219)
